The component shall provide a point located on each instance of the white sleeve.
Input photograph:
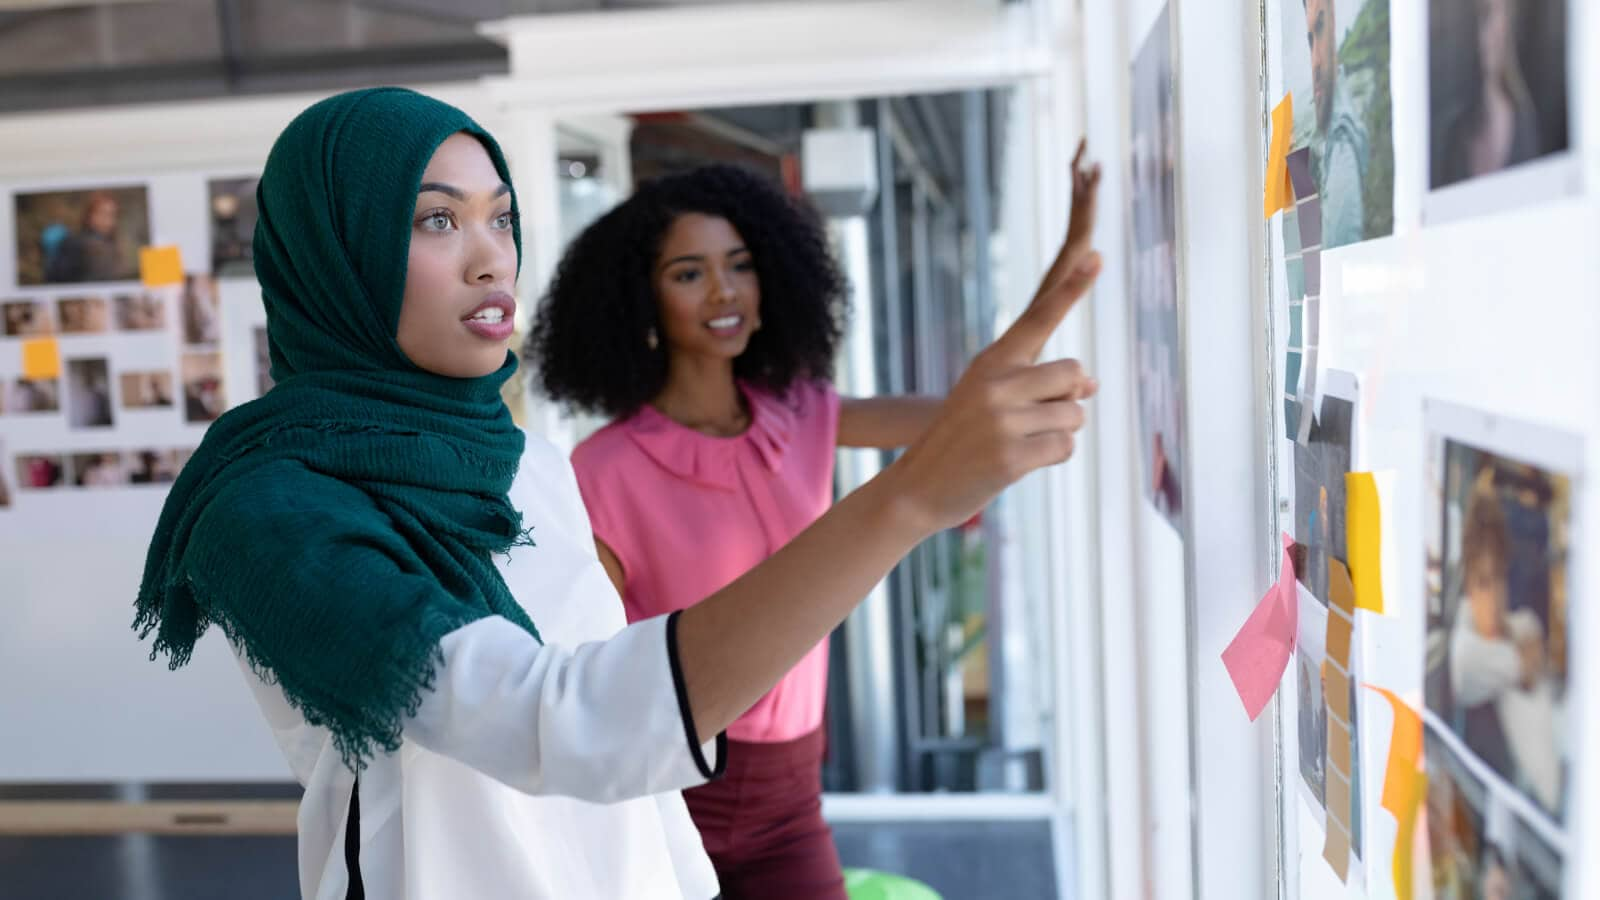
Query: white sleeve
(1481, 668)
(603, 722)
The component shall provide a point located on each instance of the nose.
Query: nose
(490, 257)
(722, 289)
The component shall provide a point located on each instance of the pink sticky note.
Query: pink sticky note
(1259, 653)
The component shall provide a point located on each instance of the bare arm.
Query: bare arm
(885, 422)
(1005, 418)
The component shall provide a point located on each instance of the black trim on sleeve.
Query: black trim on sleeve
(683, 709)
(352, 846)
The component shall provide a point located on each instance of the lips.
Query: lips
(494, 319)
(726, 326)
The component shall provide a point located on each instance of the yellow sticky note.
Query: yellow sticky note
(1279, 191)
(1404, 786)
(41, 359)
(1364, 535)
(160, 266)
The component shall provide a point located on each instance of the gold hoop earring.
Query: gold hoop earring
(650, 339)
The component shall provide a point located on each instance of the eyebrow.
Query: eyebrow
(457, 193)
(695, 257)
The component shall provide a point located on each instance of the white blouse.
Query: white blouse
(530, 771)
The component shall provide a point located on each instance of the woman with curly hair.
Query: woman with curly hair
(702, 315)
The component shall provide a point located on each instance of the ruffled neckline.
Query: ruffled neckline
(710, 460)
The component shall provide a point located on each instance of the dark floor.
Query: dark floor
(960, 860)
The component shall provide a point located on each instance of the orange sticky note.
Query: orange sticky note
(1363, 533)
(1258, 655)
(41, 359)
(159, 266)
(1404, 786)
(1336, 848)
(1279, 191)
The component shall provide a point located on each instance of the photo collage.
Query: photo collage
(80, 302)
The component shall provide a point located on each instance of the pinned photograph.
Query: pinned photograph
(233, 226)
(33, 396)
(1336, 64)
(89, 393)
(264, 380)
(202, 310)
(81, 235)
(93, 470)
(1477, 846)
(1499, 549)
(202, 387)
(27, 318)
(145, 311)
(152, 466)
(83, 315)
(1497, 85)
(40, 471)
(147, 390)
(5, 481)
(1158, 365)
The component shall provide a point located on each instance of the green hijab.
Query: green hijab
(339, 526)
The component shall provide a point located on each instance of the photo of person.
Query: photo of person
(233, 226)
(202, 310)
(34, 396)
(152, 466)
(5, 481)
(1336, 64)
(1497, 85)
(146, 390)
(1496, 673)
(39, 471)
(1320, 464)
(83, 315)
(1157, 360)
(141, 312)
(98, 470)
(27, 318)
(82, 235)
(88, 393)
(263, 360)
(1478, 847)
(202, 387)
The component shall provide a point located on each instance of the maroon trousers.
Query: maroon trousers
(762, 825)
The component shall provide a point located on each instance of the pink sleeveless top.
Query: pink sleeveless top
(687, 513)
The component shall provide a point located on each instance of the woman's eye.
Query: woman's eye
(504, 220)
(685, 276)
(744, 265)
(437, 221)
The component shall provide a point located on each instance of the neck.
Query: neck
(701, 394)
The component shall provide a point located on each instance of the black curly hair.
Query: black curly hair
(588, 343)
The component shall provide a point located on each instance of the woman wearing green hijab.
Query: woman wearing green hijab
(411, 583)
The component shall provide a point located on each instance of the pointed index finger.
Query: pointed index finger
(1023, 341)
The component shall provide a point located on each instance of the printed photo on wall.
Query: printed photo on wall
(147, 390)
(141, 312)
(202, 310)
(233, 226)
(89, 393)
(1157, 360)
(5, 481)
(1477, 846)
(202, 387)
(83, 315)
(1320, 464)
(40, 471)
(1336, 63)
(104, 469)
(27, 318)
(81, 235)
(152, 466)
(25, 396)
(1498, 553)
(264, 380)
(1497, 85)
